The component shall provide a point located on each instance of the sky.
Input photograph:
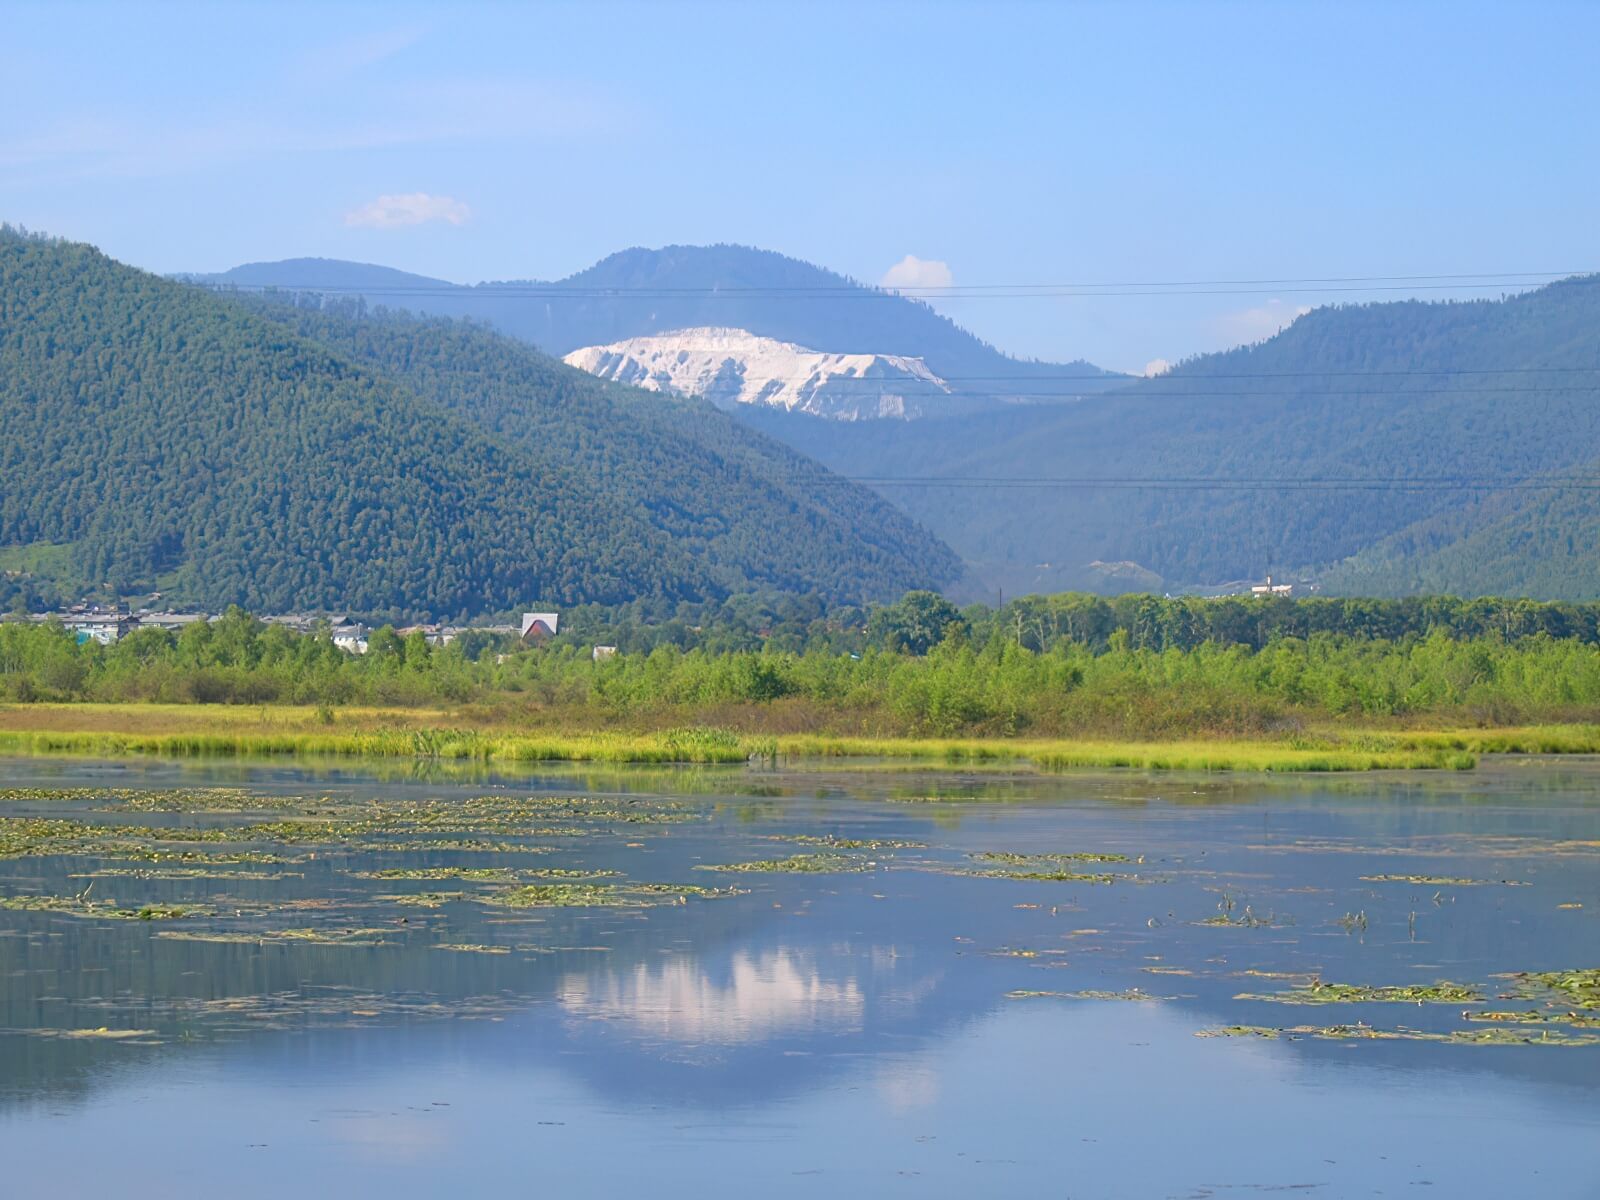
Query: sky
(932, 143)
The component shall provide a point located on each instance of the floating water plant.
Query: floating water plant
(796, 864)
(1442, 881)
(1459, 1037)
(1042, 874)
(1016, 859)
(1317, 992)
(1580, 988)
(1130, 994)
(79, 906)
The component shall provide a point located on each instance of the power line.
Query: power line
(997, 291)
(1174, 377)
(1243, 394)
(1230, 483)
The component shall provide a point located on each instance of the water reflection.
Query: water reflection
(760, 995)
(865, 1024)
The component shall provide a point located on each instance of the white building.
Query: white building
(350, 636)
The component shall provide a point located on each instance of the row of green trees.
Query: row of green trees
(974, 675)
(920, 620)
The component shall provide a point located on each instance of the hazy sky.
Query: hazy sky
(1029, 143)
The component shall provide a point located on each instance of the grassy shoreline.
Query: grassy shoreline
(199, 731)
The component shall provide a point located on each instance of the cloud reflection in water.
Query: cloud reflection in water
(761, 996)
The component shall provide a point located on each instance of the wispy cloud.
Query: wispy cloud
(1156, 366)
(411, 208)
(912, 272)
(339, 60)
(463, 112)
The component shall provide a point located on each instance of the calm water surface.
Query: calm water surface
(872, 1031)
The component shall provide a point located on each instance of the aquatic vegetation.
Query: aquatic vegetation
(423, 899)
(1017, 952)
(1318, 992)
(1533, 1017)
(204, 857)
(1130, 994)
(476, 874)
(212, 799)
(838, 843)
(1244, 920)
(1003, 856)
(465, 845)
(561, 895)
(1459, 1037)
(1580, 988)
(1044, 874)
(1442, 881)
(181, 873)
(1232, 755)
(299, 937)
(796, 864)
(80, 906)
(472, 948)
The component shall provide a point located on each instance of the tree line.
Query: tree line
(1135, 666)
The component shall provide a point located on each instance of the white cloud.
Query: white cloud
(1263, 321)
(412, 208)
(1156, 366)
(913, 272)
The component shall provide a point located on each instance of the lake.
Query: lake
(260, 980)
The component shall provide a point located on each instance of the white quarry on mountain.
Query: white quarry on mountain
(733, 366)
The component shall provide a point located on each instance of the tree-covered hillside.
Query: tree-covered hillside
(1415, 440)
(166, 436)
(747, 508)
(637, 292)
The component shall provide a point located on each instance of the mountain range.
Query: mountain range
(645, 293)
(232, 449)
(1381, 448)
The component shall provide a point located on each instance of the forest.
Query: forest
(155, 436)
(1384, 449)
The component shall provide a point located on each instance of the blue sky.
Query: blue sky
(1024, 143)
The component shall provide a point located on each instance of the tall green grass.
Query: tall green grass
(697, 745)
(447, 744)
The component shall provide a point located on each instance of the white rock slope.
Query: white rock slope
(732, 366)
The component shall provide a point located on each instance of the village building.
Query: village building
(172, 622)
(103, 625)
(349, 636)
(538, 626)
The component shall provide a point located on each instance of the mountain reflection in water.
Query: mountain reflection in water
(1002, 987)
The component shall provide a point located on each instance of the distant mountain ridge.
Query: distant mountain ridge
(730, 367)
(1291, 455)
(642, 292)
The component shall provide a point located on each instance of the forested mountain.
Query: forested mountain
(252, 453)
(640, 292)
(1285, 456)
